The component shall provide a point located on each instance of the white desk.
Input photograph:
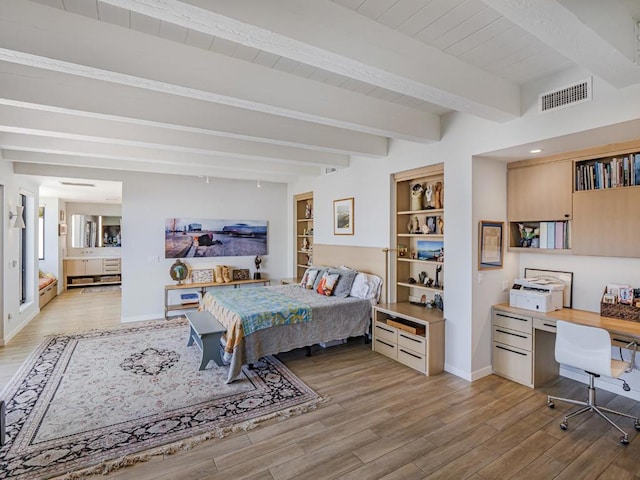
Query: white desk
(524, 341)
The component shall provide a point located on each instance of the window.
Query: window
(41, 233)
(23, 252)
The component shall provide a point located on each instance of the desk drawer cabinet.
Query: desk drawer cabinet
(422, 350)
(512, 346)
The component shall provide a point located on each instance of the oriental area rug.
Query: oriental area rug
(96, 401)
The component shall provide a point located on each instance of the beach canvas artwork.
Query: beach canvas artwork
(195, 237)
(429, 250)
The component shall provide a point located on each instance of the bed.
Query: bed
(47, 288)
(264, 321)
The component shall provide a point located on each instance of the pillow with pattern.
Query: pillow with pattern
(327, 283)
(309, 279)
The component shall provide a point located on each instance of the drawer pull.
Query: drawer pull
(412, 354)
(512, 351)
(513, 318)
(390, 345)
(409, 338)
(382, 328)
(549, 325)
(509, 333)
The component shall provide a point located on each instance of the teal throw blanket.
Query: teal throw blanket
(260, 308)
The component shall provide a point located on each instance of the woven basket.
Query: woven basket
(620, 310)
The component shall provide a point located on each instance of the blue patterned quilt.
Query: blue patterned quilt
(261, 308)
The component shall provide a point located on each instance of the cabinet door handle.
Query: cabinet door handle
(512, 351)
(411, 354)
(549, 325)
(509, 333)
(409, 338)
(382, 328)
(513, 318)
(385, 343)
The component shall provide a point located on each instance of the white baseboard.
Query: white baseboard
(457, 372)
(142, 318)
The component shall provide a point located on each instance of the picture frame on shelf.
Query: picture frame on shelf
(240, 274)
(491, 245)
(343, 218)
(202, 275)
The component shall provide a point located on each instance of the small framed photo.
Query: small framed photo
(240, 274)
(343, 216)
(204, 275)
(62, 228)
(609, 298)
(625, 295)
(490, 251)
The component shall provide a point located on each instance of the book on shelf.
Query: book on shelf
(551, 234)
(559, 240)
(608, 173)
(188, 298)
(543, 234)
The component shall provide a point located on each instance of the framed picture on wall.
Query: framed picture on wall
(343, 216)
(490, 251)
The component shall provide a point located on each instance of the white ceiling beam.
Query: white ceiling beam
(109, 153)
(23, 119)
(112, 53)
(27, 163)
(321, 34)
(598, 35)
(94, 98)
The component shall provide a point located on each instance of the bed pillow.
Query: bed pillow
(327, 283)
(367, 286)
(345, 282)
(321, 271)
(309, 278)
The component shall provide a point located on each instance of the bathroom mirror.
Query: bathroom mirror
(91, 231)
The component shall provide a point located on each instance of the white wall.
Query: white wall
(148, 200)
(52, 262)
(14, 315)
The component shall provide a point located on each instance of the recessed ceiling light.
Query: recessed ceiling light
(535, 150)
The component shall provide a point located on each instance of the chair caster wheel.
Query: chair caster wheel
(637, 425)
(564, 426)
(551, 405)
(624, 441)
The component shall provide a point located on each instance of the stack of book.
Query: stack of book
(608, 173)
(554, 235)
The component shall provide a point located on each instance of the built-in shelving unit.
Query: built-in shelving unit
(303, 242)
(411, 330)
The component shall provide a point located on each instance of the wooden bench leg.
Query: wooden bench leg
(211, 350)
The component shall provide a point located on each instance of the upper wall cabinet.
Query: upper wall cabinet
(588, 198)
(540, 192)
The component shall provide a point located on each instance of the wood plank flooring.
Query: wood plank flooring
(380, 420)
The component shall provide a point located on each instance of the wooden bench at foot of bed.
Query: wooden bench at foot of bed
(205, 331)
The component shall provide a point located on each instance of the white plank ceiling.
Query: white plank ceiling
(278, 90)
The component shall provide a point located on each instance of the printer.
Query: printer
(541, 294)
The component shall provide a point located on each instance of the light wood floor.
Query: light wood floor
(382, 420)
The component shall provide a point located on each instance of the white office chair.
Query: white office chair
(589, 348)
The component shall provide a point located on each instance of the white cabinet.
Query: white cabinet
(512, 346)
(92, 271)
(422, 349)
(88, 266)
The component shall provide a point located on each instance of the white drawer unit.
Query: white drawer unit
(412, 335)
(82, 272)
(512, 346)
(111, 265)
